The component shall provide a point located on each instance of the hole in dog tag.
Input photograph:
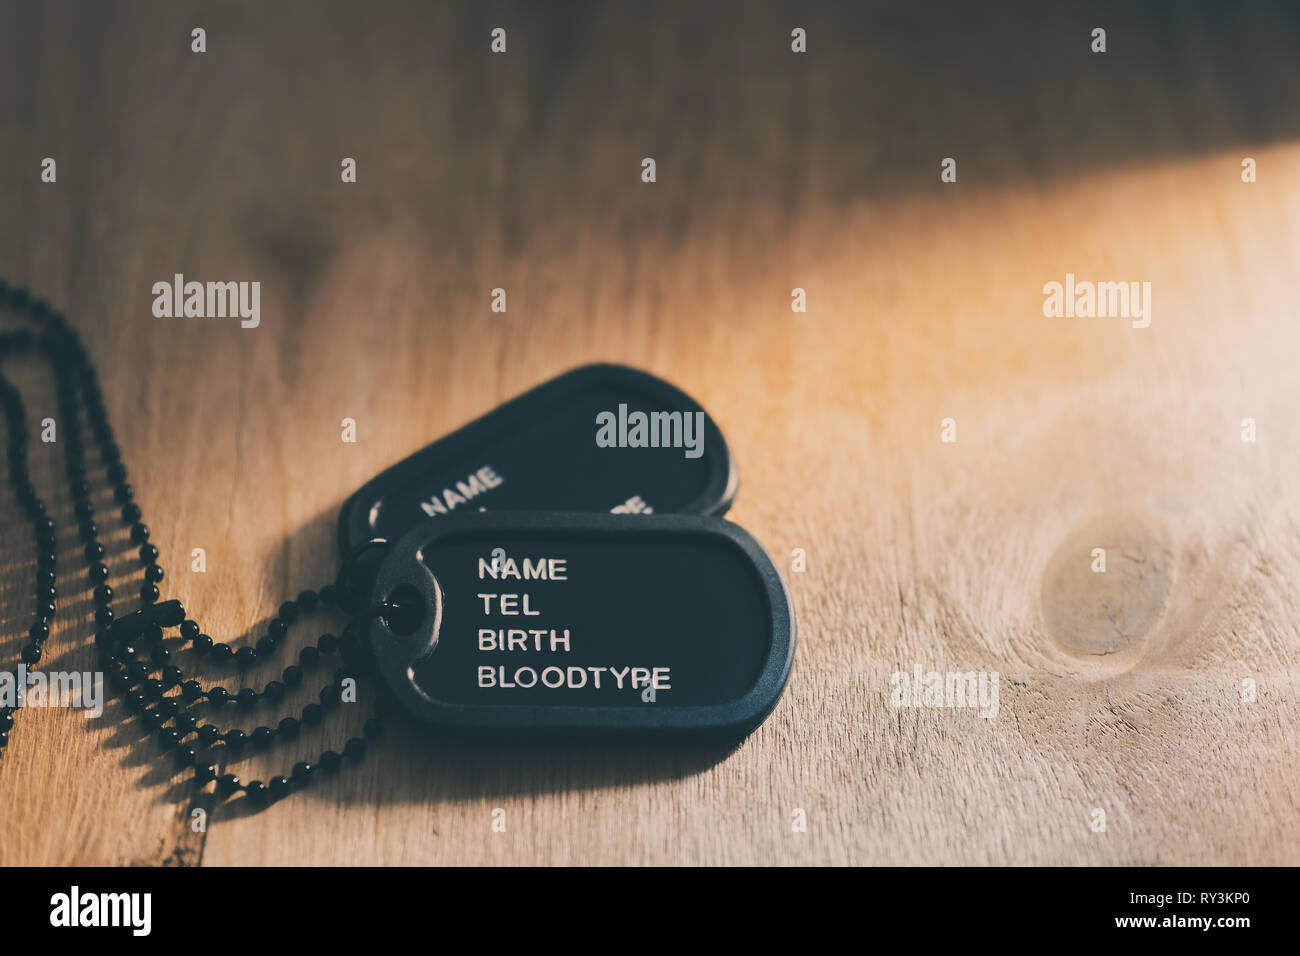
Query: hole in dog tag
(583, 624)
(599, 438)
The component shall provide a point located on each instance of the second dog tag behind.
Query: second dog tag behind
(544, 451)
(583, 623)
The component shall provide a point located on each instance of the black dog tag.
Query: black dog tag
(598, 438)
(514, 623)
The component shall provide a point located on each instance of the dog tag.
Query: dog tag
(583, 624)
(603, 438)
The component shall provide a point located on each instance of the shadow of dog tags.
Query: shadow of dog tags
(544, 451)
(518, 624)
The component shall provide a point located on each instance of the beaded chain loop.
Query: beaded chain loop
(131, 648)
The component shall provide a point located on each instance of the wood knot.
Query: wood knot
(1105, 588)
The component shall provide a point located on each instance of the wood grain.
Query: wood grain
(775, 171)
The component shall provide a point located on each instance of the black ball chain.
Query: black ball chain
(132, 648)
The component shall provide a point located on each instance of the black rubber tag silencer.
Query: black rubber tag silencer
(713, 607)
(540, 449)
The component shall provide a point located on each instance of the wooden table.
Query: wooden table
(1121, 692)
